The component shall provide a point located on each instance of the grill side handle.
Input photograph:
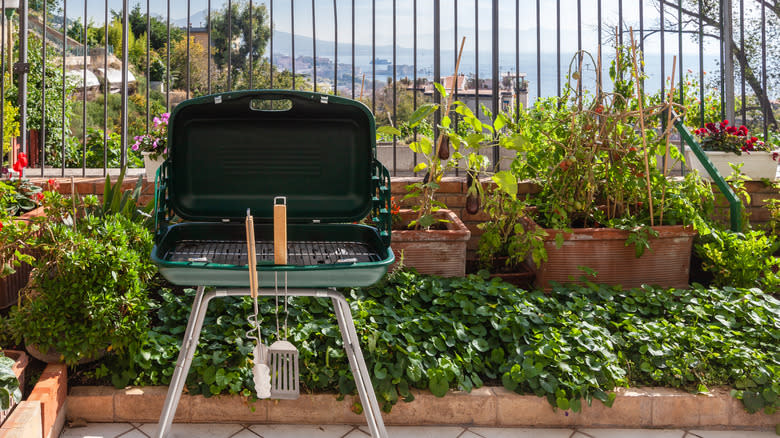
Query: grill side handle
(381, 202)
(162, 211)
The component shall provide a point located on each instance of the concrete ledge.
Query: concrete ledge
(487, 406)
(24, 421)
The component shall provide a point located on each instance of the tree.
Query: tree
(748, 54)
(198, 69)
(158, 37)
(238, 48)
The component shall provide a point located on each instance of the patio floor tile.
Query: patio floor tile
(295, 431)
(732, 434)
(515, 432)
(192, 430)
(631, 433)
(419, 431)
(97, 430)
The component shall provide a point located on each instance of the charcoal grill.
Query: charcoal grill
(240, 150)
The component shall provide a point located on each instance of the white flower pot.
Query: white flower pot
(151, 165)
(757, 165)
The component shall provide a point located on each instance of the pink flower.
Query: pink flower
(775, 155)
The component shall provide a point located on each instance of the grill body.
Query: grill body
(320, 255)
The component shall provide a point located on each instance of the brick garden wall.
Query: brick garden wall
(453, 193)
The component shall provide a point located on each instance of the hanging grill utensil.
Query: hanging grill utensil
(260, 369)
(285, 376)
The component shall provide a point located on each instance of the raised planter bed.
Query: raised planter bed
(434, 252)
(486, 406)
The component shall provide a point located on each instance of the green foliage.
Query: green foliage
(240, 17)
(87, 291)
(9, 384)
(741, 260)
(10, 126)
(18, 196)
(508, 234)
(158, 37)
(58, 92)
(574, 344)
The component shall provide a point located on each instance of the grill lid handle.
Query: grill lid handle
(280, 230)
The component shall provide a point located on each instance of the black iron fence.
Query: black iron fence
(85, 78)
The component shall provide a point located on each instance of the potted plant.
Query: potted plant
(609, 213)
(154, 145)
(20, 220)
(156, 73)
(87, 292)
(507, 240)
(431, 238)
(727, 145)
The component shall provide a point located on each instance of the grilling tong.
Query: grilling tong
(275, 369)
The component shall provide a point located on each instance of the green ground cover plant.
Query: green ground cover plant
(574, 344)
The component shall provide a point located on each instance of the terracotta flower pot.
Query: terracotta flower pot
(666, 263)
(435, 252)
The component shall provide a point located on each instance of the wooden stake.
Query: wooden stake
(642, 124)
(666, 134)
(251, 253)
(361, 85)
(280, 232)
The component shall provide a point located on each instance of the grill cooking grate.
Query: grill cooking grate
(233, 252)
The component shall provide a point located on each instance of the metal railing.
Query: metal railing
(386, 53)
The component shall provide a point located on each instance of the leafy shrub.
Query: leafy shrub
(87, 291)
(9, 384)
(577, 343)
(741, 259)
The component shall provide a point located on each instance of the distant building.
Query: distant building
(467, 91)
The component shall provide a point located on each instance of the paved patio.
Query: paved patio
(136, 430)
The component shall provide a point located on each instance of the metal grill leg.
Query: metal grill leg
(355, 355)
(188, 345)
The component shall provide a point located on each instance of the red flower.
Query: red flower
(711, 127)
(23, 159)
(1, 226)
(39, 196)
(724, 123)
(775, 156)
(731, 129)
(53, 184)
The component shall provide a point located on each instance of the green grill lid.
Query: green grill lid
(233, 151)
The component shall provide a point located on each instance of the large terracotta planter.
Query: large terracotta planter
(10, 285)
(666, 263)
(757, 165)
(435, 252)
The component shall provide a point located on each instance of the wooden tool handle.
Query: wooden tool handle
(280, 231)
(251, 255)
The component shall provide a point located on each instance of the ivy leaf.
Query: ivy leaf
(753, 401)
(437, 382)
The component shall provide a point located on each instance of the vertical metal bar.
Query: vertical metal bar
(64, 80)
(763, 68)
(539, 51)
(455, 61)
(84, 97)
(229, 48)
(620, 22)
(271, 55)
(125, 64)
(353, 49)
(2, 79)
(579, 41)
(314, 43)
(642, 34)
(558, 42)
(208, 43)
(335, 49)
(373, 56)
(189, 71)
(517, 61)
(496, 82)
(701, 63)
(251, 36)
(23, 76)
(663, 53)
(168, 61)
(742, 49)
(414, 73)
(394, 122)
(292, 31)
(598, 53)
(476, 58)
(105, 81)
(436, 62)
(728, 59)
(42, 136)
(148, 58)
(680, 50)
